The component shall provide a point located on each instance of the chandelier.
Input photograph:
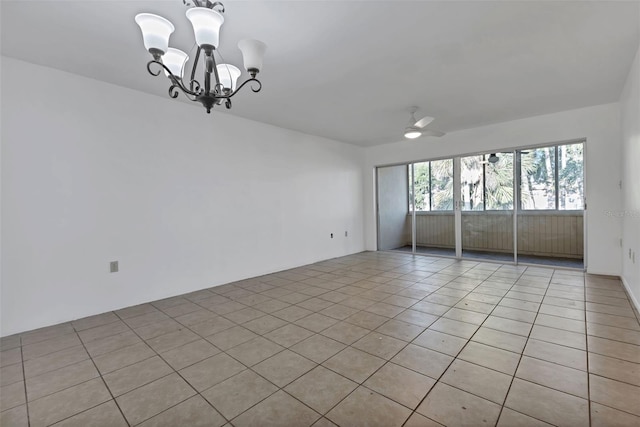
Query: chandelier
(206, 18)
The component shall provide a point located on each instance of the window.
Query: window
(422, 186)
(570, 177)
(472, 183)
(433, 184)
(487, 185)
(537, 174)
(498, 183)
(442, 185)
(551, 178)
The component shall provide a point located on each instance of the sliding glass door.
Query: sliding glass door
(394, 226)
(519, 206)
(550, 222)
(432, 187)
(486, 202)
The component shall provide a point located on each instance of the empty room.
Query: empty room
(319, 213)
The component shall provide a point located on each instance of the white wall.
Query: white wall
(392, 206)
(630, 115)
(93, 172)
(600, 125)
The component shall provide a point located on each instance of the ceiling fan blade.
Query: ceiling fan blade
(423, 122)
(432, 132)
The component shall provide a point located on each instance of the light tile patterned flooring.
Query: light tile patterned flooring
(377, 339)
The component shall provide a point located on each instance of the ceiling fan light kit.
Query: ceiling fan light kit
(220, 80)
(412, 133)
(417, 128)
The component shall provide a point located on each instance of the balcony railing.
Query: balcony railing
(541, 233)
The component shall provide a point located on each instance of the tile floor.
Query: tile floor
(372, 339)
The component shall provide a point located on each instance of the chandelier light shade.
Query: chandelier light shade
(175, 60)
(206, 26)
(228, 76)
(155, 31)
(220, 82)
(252, 53)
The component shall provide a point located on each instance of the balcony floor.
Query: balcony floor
(498, 256)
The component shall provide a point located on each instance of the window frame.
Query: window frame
(556, 176)
(517, 165)
(485, 160)
(409, 192)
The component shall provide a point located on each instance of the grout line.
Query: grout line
(402, 267)
(347, 346)
(104, 383)
(522, 353)
(586, 341)
(439, 317)
(198, 393)
(24, 378)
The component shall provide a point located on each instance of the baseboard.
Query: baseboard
(603, 273)
(631, 296)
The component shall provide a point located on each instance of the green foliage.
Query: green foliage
(489, 186)
(442, 185)
(433, 183)
(421, 180)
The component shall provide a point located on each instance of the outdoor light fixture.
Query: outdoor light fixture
(206, 18)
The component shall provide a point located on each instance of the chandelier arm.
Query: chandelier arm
(213, 5)
(242, 85)
(153, 61)
(194, 86)
(173, 92)
(193, 70)
(175, 81)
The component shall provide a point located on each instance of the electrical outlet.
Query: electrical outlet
(113, 267)
(346, 234)
(332, 235)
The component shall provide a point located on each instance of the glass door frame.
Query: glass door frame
(457, 203)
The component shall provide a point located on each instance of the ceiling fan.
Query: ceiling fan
(493, 157)
(416, 128)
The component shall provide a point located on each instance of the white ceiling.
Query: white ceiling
(348, 70)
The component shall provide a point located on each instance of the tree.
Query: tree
(421, 183)
(442, 185)
(499, 183)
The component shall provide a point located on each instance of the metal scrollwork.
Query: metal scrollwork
(195, 86)
(195, 92)
(259, 86)
(155, 62)
(173, 91)
(252, 80)
(209, 94)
